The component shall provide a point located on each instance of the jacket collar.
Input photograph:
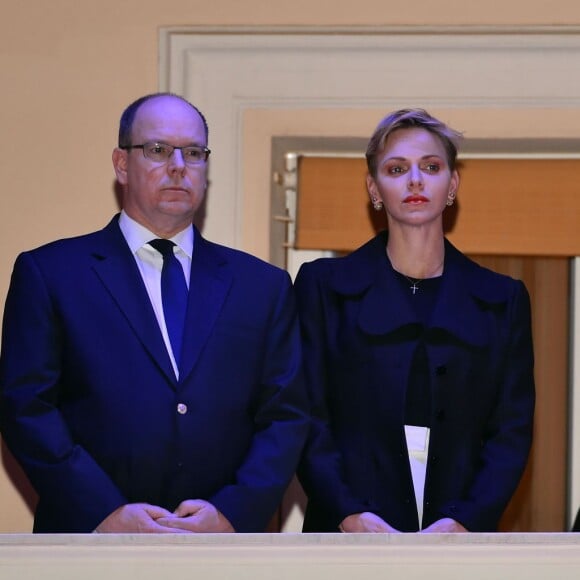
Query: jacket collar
(465, 292)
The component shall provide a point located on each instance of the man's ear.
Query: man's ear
(120, 158)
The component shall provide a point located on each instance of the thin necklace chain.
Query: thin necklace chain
(415, 281)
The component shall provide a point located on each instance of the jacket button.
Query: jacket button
(441, 370)
(182, 408)
(440, 415)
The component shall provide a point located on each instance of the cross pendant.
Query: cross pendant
(414, 287)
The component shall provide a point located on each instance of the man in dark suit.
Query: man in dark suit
(120, 424)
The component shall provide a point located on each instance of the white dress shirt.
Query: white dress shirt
(150, 263)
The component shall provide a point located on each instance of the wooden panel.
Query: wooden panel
(334, 212)
(528, 207)
(539, 505)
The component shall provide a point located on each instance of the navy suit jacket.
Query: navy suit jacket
(89, 400)
(359, 335)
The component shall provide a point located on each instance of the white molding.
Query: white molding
(367, 30)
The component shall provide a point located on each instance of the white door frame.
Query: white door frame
(230, 71)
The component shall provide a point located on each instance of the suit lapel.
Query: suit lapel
(209, 284)
(116, 268)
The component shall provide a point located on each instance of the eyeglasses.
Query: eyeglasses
(161, 152)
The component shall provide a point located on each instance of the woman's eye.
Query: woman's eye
(396, 170)
(432, 167)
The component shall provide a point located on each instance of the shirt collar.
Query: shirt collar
(138, 235)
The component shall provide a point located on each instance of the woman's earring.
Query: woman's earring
(377, 204)
(450, 198)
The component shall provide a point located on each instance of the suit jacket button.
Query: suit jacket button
(182, 408)
(441, 415)
(441, 370)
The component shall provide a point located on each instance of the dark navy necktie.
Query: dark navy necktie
(173, 294)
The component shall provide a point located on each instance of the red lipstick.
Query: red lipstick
(415, 199)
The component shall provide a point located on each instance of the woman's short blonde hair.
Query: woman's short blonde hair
(411, 119)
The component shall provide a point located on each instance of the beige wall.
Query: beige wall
(68, 67)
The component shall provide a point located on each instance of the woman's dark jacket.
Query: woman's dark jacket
(359, 333)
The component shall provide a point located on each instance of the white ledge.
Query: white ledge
(289, 556)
